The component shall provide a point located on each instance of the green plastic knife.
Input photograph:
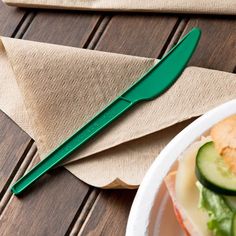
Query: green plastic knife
(151, 85)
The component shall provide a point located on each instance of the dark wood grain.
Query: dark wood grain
(109, 216)
(217, 47)
(10, 18)
(13, 144)
(138, 35)
(64, 28)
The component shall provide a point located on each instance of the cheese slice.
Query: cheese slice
(186, 195)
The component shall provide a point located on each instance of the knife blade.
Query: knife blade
(151, 85)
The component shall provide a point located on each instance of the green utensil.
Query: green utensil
(155, 82)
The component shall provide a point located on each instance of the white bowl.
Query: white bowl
(151, 212)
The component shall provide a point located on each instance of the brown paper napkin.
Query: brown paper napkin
(183, 6)
(51, 91)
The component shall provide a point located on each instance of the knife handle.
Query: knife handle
(111, 112)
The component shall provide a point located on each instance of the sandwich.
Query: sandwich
(203, 187)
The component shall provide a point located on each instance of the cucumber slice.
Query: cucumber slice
(212, 171)
(233, 226)
(231, 202)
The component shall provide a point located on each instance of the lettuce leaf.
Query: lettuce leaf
(220, 215)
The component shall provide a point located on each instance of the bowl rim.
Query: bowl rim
(140, 212)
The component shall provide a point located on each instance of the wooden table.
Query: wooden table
(65, 205)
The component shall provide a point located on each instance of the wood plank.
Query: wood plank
(217, 48)
(20, 172)
(47, 209)
(138, 35)
(10, 18)
(13, 144)
(63, 27)
(109, 216)
(51, 205)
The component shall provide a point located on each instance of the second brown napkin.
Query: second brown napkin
(51, 91)
(183, 6)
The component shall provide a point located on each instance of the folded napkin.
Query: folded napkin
(183, 6)
(50, 91)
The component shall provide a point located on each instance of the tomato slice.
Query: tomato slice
(170, 184)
